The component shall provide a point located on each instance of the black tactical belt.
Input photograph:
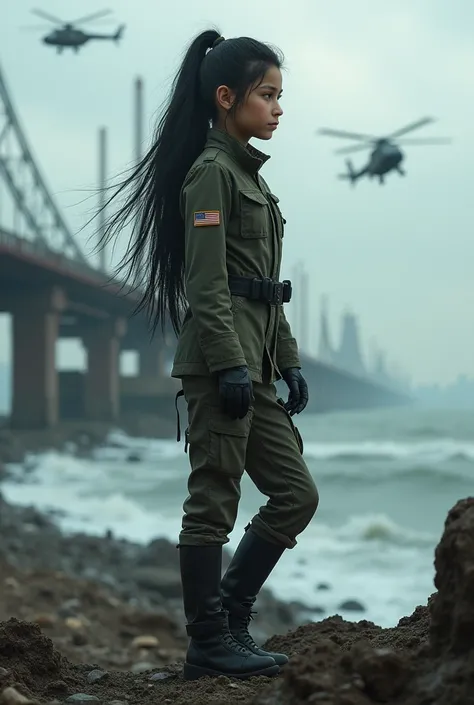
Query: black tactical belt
(275, 293)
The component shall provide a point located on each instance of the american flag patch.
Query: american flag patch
(207, 218)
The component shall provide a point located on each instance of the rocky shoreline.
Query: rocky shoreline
(99, 620)
(69, 640)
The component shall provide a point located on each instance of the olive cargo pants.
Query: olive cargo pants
(266, 445)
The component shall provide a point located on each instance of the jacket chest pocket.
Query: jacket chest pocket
(278, 214)
(254, 215)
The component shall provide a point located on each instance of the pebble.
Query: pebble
(352, 605)
(44, 620)
(69, 608)
(323, 586)
(145, 641)
(82, 698)
(79, 639)
(358, 682)
(96, 675)
(10, 696)
(12, 583)
(73, 623)
(161, 676)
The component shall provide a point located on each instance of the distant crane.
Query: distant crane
(67, 35)
(386, 155)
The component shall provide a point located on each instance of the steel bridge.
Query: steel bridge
(52, 291)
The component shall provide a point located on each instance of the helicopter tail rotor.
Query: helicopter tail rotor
(118, 34)
(351, 174)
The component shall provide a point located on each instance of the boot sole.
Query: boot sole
(192, 673)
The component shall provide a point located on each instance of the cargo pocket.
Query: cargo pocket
(297, 434)
(228, 443)
(254, 215)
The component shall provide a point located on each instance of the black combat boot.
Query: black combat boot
(251, 564)
(213, 651)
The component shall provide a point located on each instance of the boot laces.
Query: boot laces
(243, 626)
(230, 641)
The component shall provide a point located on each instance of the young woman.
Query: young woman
(206, 250)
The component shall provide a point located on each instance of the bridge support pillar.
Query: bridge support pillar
(151, 358)
(101, 393)
(35, 379)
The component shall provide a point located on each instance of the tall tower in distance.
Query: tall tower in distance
(325, 351)
(138, 119)
(349, 355)
(300, 319)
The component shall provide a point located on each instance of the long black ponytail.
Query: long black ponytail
(154, 259)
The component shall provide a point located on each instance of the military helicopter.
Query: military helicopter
(386, 155)
(68, 35)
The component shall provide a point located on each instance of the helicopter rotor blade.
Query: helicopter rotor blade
(354, 148)
(433, 140)
(47, 16)
(412, 126)
(35, 27)
(95, 16)
(348, 135)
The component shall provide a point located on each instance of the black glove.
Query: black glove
(298, 396)
(235, 392)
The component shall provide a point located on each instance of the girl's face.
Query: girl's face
(259, 114)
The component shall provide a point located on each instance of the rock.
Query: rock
(142, 667)
(4, 673)
(96, 675)
(166, 581)
(82, 698)
(12, 583)
(163, 675)
(45, 621)
(74, 623)
(69, 608)
(384, 671)
(145, 642)
(11, 696)
(78, 638)
(352, 606)
(323, 586)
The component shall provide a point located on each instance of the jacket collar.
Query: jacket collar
(250, 158)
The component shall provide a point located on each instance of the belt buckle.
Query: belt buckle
(287, 291)
(277, 298)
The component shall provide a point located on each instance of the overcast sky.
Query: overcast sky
(401, 256)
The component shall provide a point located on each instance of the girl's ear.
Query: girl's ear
(225, 98)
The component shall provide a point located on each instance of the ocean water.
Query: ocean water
(386, 479)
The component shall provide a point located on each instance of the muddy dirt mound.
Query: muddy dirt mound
(428, 659)
(30, 662)
(452, 609)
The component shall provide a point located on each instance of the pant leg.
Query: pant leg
(217, 448)
(275, 464)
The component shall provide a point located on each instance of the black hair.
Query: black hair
(154, 258)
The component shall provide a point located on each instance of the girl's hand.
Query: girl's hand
(298, 396)
(235, 391)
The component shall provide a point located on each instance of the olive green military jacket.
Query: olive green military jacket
(233, 225)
